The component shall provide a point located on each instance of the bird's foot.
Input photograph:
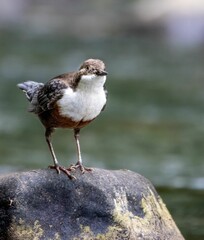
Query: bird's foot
(63, 169)
(81, 168)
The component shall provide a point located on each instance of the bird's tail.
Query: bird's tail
(30, 88)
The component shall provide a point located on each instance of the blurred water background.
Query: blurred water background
(154, 120)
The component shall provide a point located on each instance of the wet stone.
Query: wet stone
(98, 205)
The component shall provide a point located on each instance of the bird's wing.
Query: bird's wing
(53, 91)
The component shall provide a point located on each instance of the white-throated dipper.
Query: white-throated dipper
(71, 100)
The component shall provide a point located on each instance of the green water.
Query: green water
(153, 123)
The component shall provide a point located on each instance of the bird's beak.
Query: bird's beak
(102, 73)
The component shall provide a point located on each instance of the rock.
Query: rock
(99, 205)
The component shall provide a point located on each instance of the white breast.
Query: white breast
(86, 102)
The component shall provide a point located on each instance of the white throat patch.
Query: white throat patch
(92, 81)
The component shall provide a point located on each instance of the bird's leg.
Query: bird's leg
(79, 162)
(56, 165)
(76, 136)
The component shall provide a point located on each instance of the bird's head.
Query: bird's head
(93, 70)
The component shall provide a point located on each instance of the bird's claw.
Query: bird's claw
(63, 169)
(81, 168)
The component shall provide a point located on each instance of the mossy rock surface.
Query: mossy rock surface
(99, 205)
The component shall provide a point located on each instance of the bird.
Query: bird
(71, 100)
